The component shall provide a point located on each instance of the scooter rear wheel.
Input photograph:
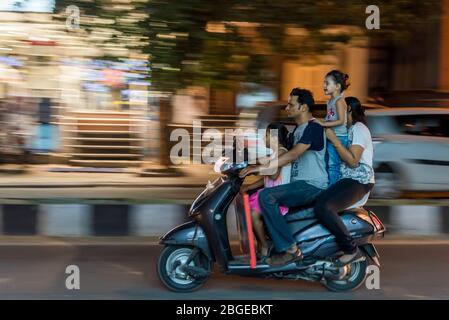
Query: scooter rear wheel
(169, 268)
(353, 280)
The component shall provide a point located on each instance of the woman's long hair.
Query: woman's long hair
(356, 109)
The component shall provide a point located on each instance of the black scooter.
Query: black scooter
(186, 262)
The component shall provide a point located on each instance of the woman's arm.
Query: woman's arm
(351, 156)
(341, 110)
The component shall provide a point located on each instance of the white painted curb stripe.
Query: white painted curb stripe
(155, 219)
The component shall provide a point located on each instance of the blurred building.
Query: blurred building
(405, 73)
(412, 72)
(95, 107)
(444, 55)
(352, 58)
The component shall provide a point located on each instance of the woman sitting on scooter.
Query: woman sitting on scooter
(357, 179)
(276, 138)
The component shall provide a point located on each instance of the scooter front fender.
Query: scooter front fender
(188, 234)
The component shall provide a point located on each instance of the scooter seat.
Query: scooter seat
(301, 208)
(305, 213)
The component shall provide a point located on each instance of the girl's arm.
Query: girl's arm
(351, 156)
(255, 185)
(278, 171)
(264, 160)
(341, 110)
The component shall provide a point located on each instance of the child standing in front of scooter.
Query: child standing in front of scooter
(276, 138)
(335, 84)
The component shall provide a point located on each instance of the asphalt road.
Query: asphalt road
(34, 271)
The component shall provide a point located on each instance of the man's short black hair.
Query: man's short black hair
(304, 97)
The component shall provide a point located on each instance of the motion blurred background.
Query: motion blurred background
(103, 83)
(92, 90)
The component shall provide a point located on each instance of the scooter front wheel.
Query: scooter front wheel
(171, 268)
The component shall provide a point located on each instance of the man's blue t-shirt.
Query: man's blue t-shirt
(313, 135)
(311, 166)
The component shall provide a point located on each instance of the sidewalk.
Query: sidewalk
(46, 176)
(41, 184)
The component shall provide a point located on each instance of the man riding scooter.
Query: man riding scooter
(192, 248)
(308, 177)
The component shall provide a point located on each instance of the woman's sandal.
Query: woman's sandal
(285, 258)
(347, 259)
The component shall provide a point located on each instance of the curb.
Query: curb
(153, 220)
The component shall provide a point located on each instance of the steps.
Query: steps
(104, 139)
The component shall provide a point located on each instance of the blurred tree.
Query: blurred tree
(220, 43)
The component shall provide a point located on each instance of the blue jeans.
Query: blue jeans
(297, 193)
(334, 160)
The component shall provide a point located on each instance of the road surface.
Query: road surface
(410, 270)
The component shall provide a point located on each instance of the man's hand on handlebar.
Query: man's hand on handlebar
(249, 170)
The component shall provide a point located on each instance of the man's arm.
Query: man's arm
(310, 137)
(291, 155)
(283, 160)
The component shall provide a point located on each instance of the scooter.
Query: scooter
(192, 248)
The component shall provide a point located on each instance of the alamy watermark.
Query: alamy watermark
(72, 21)
(372, 281)
(72, 282)
(373, 20)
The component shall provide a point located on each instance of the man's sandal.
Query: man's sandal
(285, 258)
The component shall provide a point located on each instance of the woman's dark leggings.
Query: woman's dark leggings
(338, 197)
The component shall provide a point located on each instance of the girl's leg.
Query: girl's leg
(335, 160)
(333, 164)
(259, 232)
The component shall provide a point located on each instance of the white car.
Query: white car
(411, 150)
